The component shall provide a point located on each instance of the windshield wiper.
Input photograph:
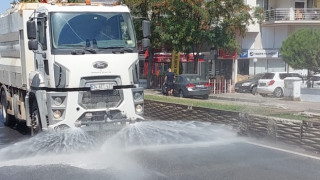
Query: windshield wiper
(119, 49)
(123, 50)
(92, 51)
(82, 51)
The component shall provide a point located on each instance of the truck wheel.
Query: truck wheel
(8, 120)
(35, 119)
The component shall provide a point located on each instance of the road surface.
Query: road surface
(150, 150)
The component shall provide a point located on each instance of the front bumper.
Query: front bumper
(94, 114)
(243, 89)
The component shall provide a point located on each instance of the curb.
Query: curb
(236, 99)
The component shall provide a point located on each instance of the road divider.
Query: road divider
(302, 133)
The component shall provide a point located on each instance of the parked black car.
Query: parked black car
(248, 85)
(189, 85)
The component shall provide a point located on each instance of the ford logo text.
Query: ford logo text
(100, 65)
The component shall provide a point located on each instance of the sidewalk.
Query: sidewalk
(257, 100)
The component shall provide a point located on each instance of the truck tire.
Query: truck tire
(8, 119)
(36, 126)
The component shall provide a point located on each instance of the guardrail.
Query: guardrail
(292, 14)
(305, 134)
(219, 86)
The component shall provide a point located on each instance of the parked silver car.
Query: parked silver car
(190, 85)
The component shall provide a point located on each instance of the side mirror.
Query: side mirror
(33, 45)
(31, 29)
(146, 28)
(145, 43)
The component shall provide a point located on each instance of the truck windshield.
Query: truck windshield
(92, 30)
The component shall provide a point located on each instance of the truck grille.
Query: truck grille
(100, 99)
(102, 116)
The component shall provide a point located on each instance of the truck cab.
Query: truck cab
(85, 67)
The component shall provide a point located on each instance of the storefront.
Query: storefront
(223, 66)
(261, 60)
(162, 61)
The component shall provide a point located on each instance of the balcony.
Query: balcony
(292, 16)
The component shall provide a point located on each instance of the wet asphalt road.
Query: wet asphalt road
(149, 150)
(10, 135)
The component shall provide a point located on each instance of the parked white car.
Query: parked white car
(273, 83)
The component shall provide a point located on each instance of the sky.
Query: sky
(4, 5)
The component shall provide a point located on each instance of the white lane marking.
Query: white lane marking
(284, 150)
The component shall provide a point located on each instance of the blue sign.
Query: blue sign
(244, 54)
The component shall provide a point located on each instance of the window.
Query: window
(243, 66)
(296, 75)
(299, 5)
(310, 4)
(284, 75)
(263, 4)
(41, 31)
(268, 76)
(194, 78)
(179, 79)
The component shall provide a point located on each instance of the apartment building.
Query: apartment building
(260, 46)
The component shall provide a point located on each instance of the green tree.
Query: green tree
(259, 14)
(69, 1)
(28, 0)
(144, 9)
(189, 25)
(193, 24)
(301, 50)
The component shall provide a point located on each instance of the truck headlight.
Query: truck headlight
(88, 115)
(57, 101)
(57, 114)
(139, 108)
(137, 96)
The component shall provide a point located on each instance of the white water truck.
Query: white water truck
(69, 65)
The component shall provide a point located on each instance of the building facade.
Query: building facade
(260, 46)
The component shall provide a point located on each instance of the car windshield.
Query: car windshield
(97, 30)
(268, 76)
(194, 78)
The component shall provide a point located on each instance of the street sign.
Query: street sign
(175, 64)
